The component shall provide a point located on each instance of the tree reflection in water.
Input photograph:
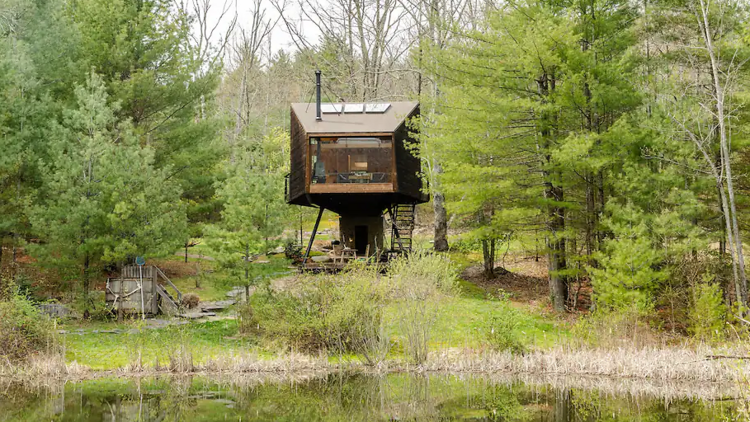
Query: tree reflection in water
(342, 397)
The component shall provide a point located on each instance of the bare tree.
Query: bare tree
(211, 35)
(370, 34)
(241, 89)
(715, 48)
(723, 78)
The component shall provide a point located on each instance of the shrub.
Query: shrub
(502, 327)
(190, 300)
(466, 245)
(353, 317)
(708, 313)
(420, 283)
(285, 317)
(293, 251)
(24, 330)
(344, 312)
(612, 329)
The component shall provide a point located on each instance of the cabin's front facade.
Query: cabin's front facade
(357, 160)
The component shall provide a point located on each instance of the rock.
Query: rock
(196, 315)
(56, 310)
(217, 305)
(278, 250)
(238, 292)
(323, 258)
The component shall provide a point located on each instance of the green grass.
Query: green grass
(212, 287)
(214, 283)
(109, 351)
(461, 321)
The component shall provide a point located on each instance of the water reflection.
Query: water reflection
(341, 397)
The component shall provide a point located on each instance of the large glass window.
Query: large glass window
(351, 160)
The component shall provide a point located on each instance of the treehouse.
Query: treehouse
(356, 159)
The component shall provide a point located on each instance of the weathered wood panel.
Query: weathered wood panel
(408, 165)
(127, 294)
(297, 165)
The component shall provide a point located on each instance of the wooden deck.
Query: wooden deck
(352, 188)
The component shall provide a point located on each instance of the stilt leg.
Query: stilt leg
(312, 236)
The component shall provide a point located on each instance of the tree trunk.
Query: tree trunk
(590, 216)
(247, 273)
(553, 195)
(186, 251)
(441, 217)
(488, 252)
(725, 155)
(198, 274)
(86, 262)
(558, 285)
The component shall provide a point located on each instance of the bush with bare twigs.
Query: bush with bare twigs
(344, 313)
(190, 300)
(24, 331)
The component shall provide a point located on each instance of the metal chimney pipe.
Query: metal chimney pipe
(317, 96)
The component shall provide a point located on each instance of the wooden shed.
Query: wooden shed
(142, 290)
(357, 160)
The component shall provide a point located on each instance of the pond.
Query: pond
(342, 397)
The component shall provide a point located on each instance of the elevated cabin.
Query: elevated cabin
(357, 160)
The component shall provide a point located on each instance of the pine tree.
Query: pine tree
(103, 201)
(255, 211)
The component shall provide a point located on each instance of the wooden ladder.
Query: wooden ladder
(168, 304)
(402, 227)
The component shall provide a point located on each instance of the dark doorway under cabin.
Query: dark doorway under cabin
(360, 239)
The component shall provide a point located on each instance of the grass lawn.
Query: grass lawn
(110, 351)
(464, 321)
(214, 283)
(461, 321)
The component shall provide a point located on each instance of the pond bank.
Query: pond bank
(661, 365)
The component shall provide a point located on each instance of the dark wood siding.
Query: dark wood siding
(298, 153)
(408, 165)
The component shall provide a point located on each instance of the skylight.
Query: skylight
(338, 108)
(354, 108)
(377, 108)
(330, 108)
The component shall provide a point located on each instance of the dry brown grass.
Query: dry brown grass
(252, 363)
(665, 364)
(41, 366)
(666, 390)
(670, 372)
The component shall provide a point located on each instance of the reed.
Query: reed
(675, 363)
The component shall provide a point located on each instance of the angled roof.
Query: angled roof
(354, 122)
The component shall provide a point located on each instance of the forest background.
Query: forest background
(611, 136)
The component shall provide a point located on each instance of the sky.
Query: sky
(280, 37)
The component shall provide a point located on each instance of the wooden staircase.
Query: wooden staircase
(167, 305)
(402, 227)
